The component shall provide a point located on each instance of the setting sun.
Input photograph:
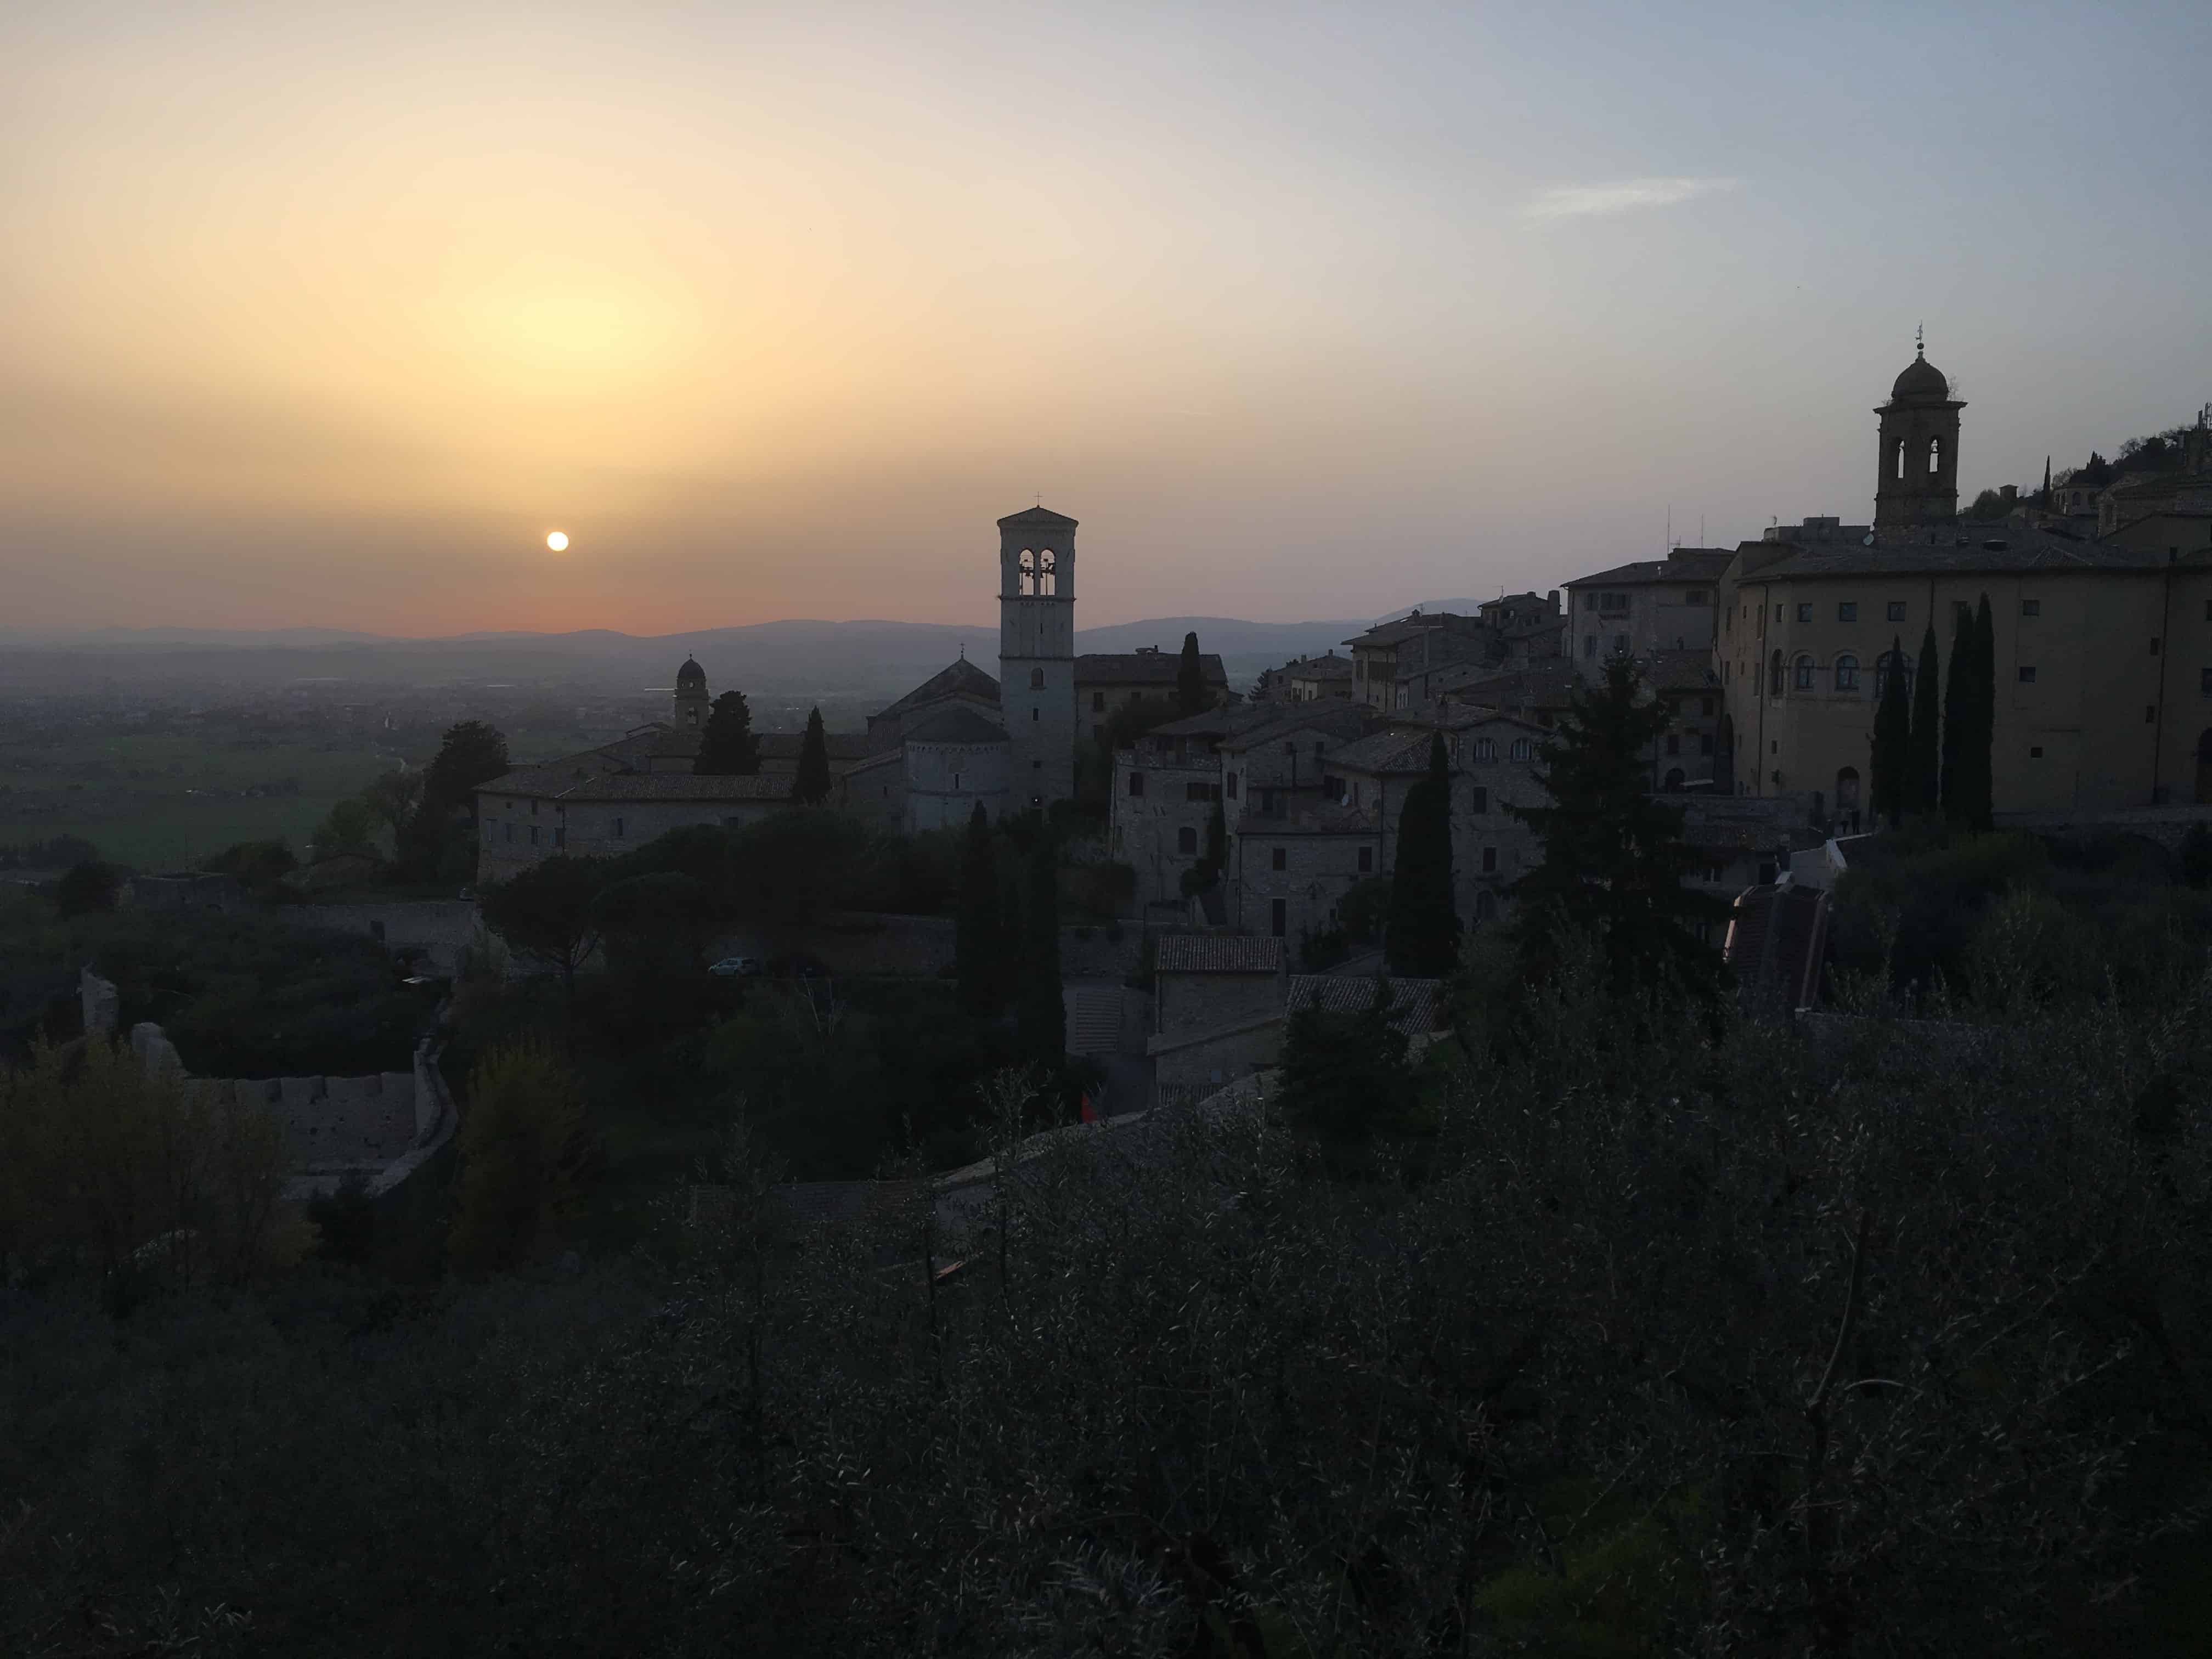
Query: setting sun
(558, 541)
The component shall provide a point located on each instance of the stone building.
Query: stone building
(1108, 680)
(2104, 649)
(1525, 627)
(1394, 663)
(1312, 678)
(616, 797)
(1288, 873)
(1634, 609)
(1165, 791)
(1217, 1008)
(1284, 758)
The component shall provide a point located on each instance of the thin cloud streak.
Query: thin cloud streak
(1628, 195)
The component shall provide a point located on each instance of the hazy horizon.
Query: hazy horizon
(320, 317)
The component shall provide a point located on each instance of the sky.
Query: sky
(327, 316)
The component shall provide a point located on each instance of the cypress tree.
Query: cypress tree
(811, 787)
(1615, 859)
(979, 938)
(727, 748)
(1981, 802)
(1958, 715)
(1191, 697)
(1892, 740)
(1041, 1014)
(1923, 779)
(1423, 940)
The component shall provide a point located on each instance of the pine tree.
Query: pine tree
(1191, 694)
(1614, 859)
(436, 842)
(1892, 741)
(811, 787)
(1980, 801)
(1042, 1015)
(1958, 715)
(980, 941)
(727, 748)
(1924, 773)
(1424, 929)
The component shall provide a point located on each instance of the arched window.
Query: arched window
(1522, 749)
(1036, 679)
(1803, 675)
(1484, 750)
(1900, 458)
(1774, 674)
(1025, 582)
(1935, 456)
(1047, 580)
(1847, 675)
(1674, 778)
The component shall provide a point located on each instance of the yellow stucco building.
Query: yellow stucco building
(2104, 648)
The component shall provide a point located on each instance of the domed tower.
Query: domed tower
(1036, 654)
(1918, 481)
(691, 699)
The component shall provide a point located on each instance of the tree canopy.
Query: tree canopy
(1924, 792)
(1614, 859)
(727, 748)
(1892, 763)
(1422, 939)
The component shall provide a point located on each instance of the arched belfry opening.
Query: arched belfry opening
(1036, 653)
(1921, 419)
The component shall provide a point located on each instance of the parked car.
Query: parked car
(736, 967)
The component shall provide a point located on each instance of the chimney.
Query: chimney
(1554, 597)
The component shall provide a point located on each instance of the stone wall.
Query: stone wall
(380, 1127)
(441, 927)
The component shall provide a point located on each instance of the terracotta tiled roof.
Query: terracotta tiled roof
(1333, 717)
(1956, 549)
(1384, 754)
(957, 725)
(1688, 564)
(1415, 1004)
(958, 678)
(1217, 953)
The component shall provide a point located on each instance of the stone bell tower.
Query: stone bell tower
(1036, 655)
(691, 707)
(1918, 482)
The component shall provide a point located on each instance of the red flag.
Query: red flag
(1089, 1116)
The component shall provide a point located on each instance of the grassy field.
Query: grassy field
(159, 801)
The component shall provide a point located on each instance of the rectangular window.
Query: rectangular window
(1590, 603)
(1478, 799)
(1804, 613)
(1137, 783)
(1490, 860)
(2035, 752)
(1197, 791)
(2154, 645)
(1896, 610)
(534, 835)
(1229, 785)
(1097, 702)
(1778, 613)
(1695, 596)
(1706, 706)
(2030, 607)
(1590, 644)
(2207, 686)
(1187, 841)
(1847, 610)
(2150, 713)
(1279, 859)
(1674, 743)
(2204, 682)
(1366, 860)
(618, 829)
(2028, 677)
(1279, 917)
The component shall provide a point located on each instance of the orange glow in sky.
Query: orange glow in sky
(327, 315)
